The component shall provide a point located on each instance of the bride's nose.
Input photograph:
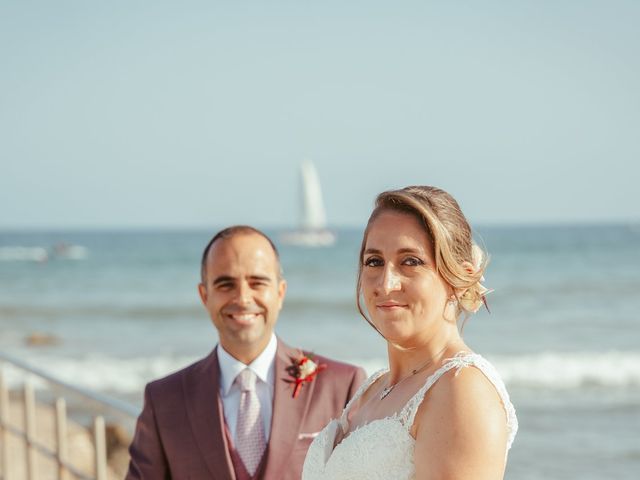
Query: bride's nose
(390, 281)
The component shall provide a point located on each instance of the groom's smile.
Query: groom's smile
(245, 319)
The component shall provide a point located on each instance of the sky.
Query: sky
(188, 114)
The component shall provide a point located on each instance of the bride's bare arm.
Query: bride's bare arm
(461, 429)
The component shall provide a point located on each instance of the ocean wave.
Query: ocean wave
(23, 254)
(102, 310)
(100, 372)
(42, 254)
(551, 371)
(554, 370)
(560, 371)
(166, 307)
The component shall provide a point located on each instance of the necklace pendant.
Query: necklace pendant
(386, 391)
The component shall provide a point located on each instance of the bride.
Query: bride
(440, 411)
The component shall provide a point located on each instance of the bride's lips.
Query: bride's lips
(390, 306)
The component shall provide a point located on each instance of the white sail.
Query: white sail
(313, 215)
(312, 231)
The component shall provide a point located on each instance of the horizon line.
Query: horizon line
(280, 227)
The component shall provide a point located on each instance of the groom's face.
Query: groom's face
(243, 293)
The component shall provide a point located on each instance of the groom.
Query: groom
(250, 409)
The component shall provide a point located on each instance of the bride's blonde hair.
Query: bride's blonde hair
(450, 236)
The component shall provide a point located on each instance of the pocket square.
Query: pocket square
(306, 436)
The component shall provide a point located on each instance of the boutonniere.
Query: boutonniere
(302, 369)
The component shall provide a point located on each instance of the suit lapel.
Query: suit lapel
(288, 412)
(204, 409)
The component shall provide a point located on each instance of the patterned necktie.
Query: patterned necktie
(250, 438)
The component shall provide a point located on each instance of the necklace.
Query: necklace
(388, 389)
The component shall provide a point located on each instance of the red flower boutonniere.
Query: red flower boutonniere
(302, 369)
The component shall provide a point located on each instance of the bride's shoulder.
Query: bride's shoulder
(468, 381)
(465, 385)
(465, 401)
(462, 425)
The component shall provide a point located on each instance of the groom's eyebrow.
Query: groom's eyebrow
(230, 279)
(263, 278)
(223, 279)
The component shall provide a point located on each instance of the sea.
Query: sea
(116, 309)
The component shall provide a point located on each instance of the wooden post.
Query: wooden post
(30, 429)
(4, 423)
(61, 438)
(101, 448)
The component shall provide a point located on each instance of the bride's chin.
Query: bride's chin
(395, 336)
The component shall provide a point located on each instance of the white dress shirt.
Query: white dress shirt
(264, 368)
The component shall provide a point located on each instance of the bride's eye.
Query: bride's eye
(412, 262)
(373, 262)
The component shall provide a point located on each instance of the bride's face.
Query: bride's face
(402, 291)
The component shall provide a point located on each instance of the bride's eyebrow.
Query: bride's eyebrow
(375, 251)
(409, 250)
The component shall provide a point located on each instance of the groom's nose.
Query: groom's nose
(244, 293)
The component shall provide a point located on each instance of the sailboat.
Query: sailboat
(312, 231)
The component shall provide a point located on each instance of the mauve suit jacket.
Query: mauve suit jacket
(180, 432)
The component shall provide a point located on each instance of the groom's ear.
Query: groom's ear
(282, 290)
(202, 291)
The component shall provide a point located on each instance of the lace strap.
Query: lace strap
(363, 388)
(458, 361)
(408, 413)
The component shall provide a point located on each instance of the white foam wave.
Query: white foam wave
(28, 254)
(101, 373)
(574, 370)
(552, 371)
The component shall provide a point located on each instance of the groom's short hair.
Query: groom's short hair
(231, 232)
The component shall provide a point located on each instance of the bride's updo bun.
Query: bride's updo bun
(459, 261)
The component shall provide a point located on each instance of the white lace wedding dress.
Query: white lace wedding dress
(383, 448)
